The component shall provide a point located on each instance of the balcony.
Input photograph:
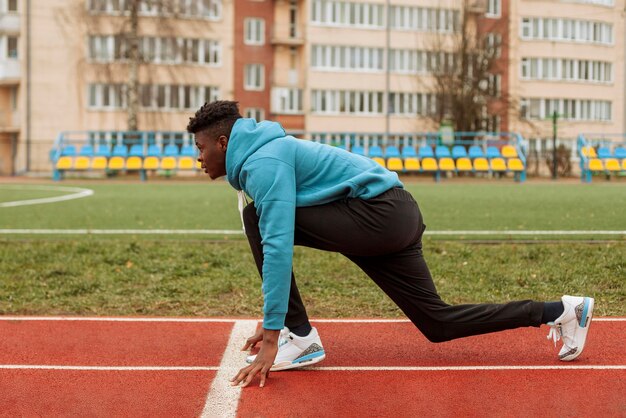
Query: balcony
(10, 22)
(287, 35)
(9, 71)
(9, 121)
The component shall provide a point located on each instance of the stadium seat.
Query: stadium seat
(65, 163)
(411, 164)
(446, 164)
(188, 151)
(595, 164)
(497, 164)
(119, 151)
(379, 160)
(136, 151)
(515, 164)
(612, 164)
(604, 152)
(198, 165)
(493, 152)
(86, 151)
(68, 151)
(463, 164)
(103, 151)
(481, 164)
(185, 163)
(151, 163)
(82, 163)
(134, 163)
(426, 151)
(116, 163)
(429, 164)
(375, 152)
(358, 150)
(99, 163)
(168, 163)
(589, 151)
(442, 152)
(408, 152)
(392, 152)
(624, 165)
(476, 152)
(459, 151)
(620, 152)
(154, 151)
(171, 151)
(509, 151)
(394, 164)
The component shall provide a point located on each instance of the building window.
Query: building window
(494, 8)
(342, 58)
(347, 102)
(254, 77)
(566, 30)
(494, 44)
(12, 5)
(207, 9)
(255, 113)
(152, 96)
(254, 31)
(564, 69)
(351, 14)
(286, 100)
(424, 19)
(12, 46)
(568, 109)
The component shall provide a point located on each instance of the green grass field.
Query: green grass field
(215, 275)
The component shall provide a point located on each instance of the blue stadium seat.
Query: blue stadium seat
(392, 152)
(68, 151)
(604, 152)
(442, 151)
(426, 151)
(358, 150)
(103, 151)
(86, 151)
(408, 152)
(154, 151)
(188, 151)
(120, 151)
(171, 151)
(493, 152)
(476, 152)
(375, 151)
(459, 151)
(136, 151)
(620, 152)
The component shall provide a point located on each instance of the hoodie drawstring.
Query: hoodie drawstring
(242, 201)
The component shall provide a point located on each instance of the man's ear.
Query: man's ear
(222, 142)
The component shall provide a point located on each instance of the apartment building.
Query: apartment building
(313, 65)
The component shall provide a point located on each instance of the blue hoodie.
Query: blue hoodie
(280, 173)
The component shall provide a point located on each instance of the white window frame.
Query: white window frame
(494, 9)
(254, 31)
(256, 113)
(254, 77)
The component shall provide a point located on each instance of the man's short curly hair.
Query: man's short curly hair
(217, 117)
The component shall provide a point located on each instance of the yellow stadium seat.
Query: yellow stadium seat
(81, 163)
(379, 161)
(446, 164)
(464, 164)
(595, 164)
(412, 164)
(498, 164)
(133, 163)
(65, 163)
(198, 165)
(429, 164)
(612, 165)
(168, 163)
(151, 163)
(481, 164)
(589, 152)
(509, 151)
(116, 163)
(99, 163)
(515, 164)
(394, 164)
(185, 163)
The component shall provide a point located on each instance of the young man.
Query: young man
(323, 197)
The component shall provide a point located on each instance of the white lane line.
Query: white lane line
(76, 193)
(109, 368)
(222, 399)
(462, 368)
(224, 320)
(239, 232)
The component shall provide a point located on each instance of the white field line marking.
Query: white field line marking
(225, 320)
(240, 232)
(230, 391)
(222, 399)
(76, 193)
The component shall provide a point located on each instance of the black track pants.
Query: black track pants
(383, 236)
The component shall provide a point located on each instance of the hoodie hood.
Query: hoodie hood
(246, 137)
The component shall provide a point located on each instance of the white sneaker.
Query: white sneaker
(294, 351)
(572, 326)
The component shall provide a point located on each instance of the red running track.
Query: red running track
(195, 349)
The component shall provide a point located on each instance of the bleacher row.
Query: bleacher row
(605, 160)
(444, 159)
(601, 154)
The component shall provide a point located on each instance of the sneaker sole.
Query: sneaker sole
(584, 329)
(286, 365)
